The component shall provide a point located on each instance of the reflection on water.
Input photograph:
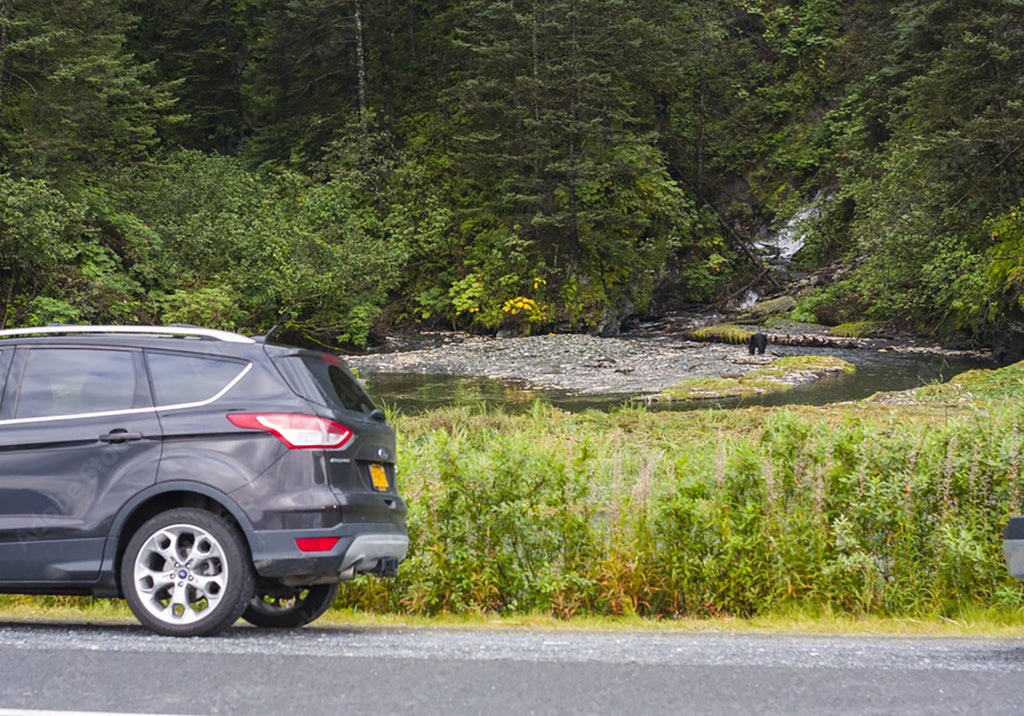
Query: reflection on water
(415, 392)
(876, 372)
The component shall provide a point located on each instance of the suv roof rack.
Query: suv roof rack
(183, 331)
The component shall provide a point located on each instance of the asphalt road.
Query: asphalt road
(124, 669)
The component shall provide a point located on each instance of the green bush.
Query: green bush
(856, 510)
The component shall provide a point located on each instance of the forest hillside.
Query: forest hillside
(346, 166)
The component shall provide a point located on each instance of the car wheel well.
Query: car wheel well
(162, 503)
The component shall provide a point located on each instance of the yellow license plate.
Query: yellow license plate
(379, 477)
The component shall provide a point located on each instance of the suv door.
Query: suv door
(78, 437)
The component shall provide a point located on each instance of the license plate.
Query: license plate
(379, 477)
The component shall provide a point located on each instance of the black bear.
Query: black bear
(758, 342)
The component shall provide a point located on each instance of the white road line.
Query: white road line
(32, 712)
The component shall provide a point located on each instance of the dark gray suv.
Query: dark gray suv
(201, 475)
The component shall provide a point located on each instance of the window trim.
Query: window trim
(6, 361)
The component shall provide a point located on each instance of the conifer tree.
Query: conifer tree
(72, 96)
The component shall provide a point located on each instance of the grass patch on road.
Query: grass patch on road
(17, 607)
(976, 622)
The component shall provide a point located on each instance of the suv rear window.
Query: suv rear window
(186, 379)
(325, 382)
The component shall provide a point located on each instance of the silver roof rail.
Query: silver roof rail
(184, 331)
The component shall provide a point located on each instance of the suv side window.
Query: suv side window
(186, 379)
(74, 381)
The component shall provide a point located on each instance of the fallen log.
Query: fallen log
(806, 340)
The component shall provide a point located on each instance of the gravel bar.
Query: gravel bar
(581, 364)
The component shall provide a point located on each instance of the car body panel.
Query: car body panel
(62, 478)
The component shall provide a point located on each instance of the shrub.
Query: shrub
(706, 513)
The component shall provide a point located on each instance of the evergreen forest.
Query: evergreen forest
(346, 166)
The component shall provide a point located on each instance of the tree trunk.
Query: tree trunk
(5, 42)
(574, 113)
(357, 16)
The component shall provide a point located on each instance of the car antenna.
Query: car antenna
(266, 336)
(281, 321)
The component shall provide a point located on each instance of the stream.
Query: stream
(416, 392)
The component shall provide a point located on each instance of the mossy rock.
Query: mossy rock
(812, 363)
(722, 333)
(721, 388)
(859, 329)
(783, 374)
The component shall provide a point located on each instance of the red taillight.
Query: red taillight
(316, 544)
(296, 430)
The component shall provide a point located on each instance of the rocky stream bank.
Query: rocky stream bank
(651, 366)
(580, 363)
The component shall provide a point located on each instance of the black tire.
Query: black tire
(187, 572)
(289, 608)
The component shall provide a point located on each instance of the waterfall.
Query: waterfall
(780, 247)
(777, 248)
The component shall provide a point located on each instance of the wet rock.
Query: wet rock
(763, 309)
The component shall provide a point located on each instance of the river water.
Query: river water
(876, 372)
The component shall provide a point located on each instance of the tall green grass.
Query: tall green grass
(867, 509)
(863, 510)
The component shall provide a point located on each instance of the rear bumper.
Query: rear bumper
(1013, 546)
(366, 550)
